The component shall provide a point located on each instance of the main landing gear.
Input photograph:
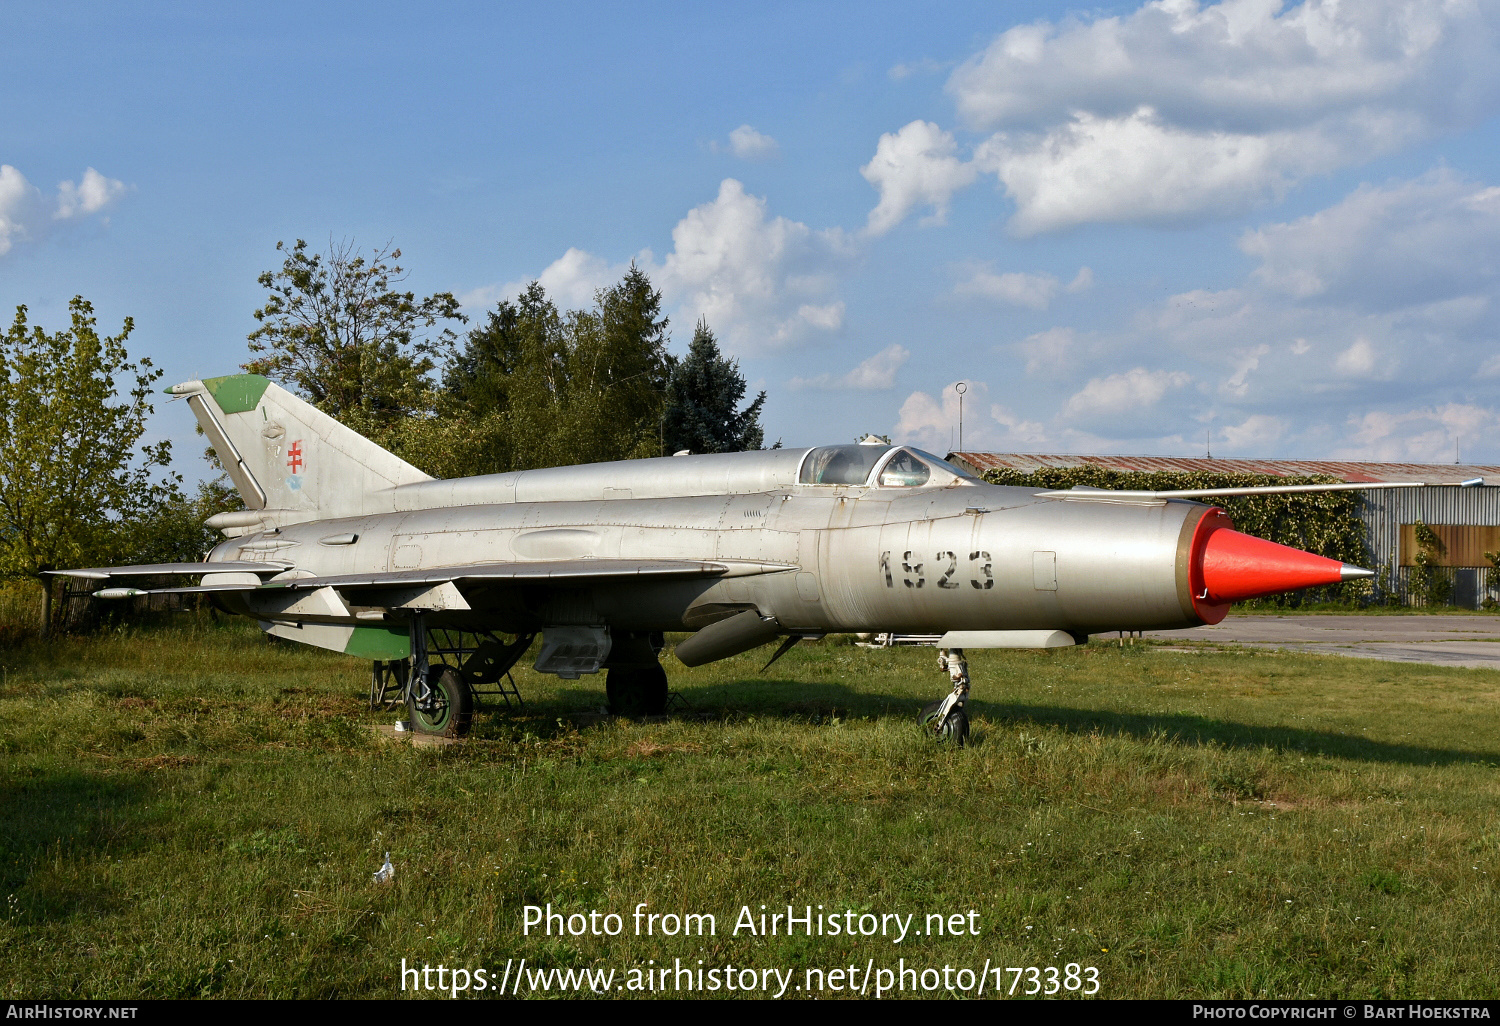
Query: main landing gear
(636, 684)
(946, 719)
(447, 669)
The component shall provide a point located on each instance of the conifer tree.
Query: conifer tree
(703, 396)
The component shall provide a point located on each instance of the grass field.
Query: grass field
(195, 811)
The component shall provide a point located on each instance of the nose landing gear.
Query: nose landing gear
(946, 719)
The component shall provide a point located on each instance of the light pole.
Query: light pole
(961, 388)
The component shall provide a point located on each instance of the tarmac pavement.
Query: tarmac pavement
(1472, 641)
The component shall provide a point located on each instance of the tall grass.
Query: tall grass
(196, 812)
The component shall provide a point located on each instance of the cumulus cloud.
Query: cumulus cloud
(875, 374)
(26, 215)
(1016, 430)
(1428, 435)
(1019, 288)
(89, 196)
(1358, 361)
(1351, 335)
(761, 282)
(1247, 362)
(571, 281)
(1257, 434)
(1049, 353)
(1123, 401)
(1181, 110)
(1140, 168)
(20, 207)
(1246, 62)
(915, 167)
(748, 144)
(1422, 241)
(931, 422)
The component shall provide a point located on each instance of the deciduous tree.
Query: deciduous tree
(339, 331)
(72, 466)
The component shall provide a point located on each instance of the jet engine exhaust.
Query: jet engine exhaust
(1230, 567)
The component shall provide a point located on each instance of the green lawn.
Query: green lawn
(195, 811)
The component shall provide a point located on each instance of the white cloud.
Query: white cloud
(1432, 238)
(1257, 434)
(1430, 435)
(912, 168)
(748, 144)
(571, 282)
(1050, 352)
(90, 196)
(1249, 360)
(24, 215)
(1115, 397)
(1182, 110)
(761, 282)
(1358, 361)
(1016, 430)
(875, 374)
(1019, 288)
(1251, 60)
(20, 205)
(932, 423)
(1138, 168)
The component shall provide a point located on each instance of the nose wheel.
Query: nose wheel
(946, 719)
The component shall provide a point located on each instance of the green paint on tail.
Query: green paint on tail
(237, 393)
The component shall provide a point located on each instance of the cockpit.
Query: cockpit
(879, 466)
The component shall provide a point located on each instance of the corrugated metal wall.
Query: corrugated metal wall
(1385, 512)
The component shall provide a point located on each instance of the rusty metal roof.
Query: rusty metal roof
(1354, 472)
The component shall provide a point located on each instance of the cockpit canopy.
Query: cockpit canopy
(879, 466)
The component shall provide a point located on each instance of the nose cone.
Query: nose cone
(1239, 566)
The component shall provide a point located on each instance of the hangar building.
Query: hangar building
(1465, 520)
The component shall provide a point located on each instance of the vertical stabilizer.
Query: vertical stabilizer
(288, 458)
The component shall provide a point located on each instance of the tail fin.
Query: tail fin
(285, 457)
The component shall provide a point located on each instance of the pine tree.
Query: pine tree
(703, 394)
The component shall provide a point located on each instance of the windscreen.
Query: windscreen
(841, 464)
(956, 471)
(904, 471)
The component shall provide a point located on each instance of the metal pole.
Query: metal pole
(961, 388)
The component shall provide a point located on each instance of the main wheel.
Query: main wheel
(449, 708)
(637, 691)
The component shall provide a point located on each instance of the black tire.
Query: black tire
(955, 729)
(637, 691)
(451, 710)
(929, 713)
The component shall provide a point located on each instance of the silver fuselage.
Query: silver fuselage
(967, 556)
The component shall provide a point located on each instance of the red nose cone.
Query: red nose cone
(1239, 566)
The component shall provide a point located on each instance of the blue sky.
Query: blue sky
(1128, 228)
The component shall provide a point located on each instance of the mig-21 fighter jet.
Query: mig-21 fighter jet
(346, 547)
